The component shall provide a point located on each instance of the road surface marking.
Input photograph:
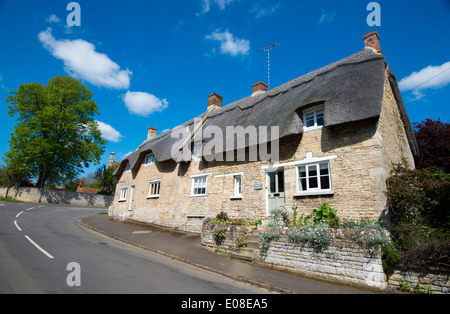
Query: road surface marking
(30, 208)
(38, 247)
(41, 206)
(15, 222)
(17, 216)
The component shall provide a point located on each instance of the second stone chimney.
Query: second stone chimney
(372, 40)
(151, 133)
(259, 88)
(215, 100)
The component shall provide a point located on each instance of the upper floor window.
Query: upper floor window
(149, 159)
(127, 167)
(313, 118)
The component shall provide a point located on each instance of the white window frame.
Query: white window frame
(149, 159)
(197, 184)
(237, 187)
(315, 111)
(123, 194)
(316, 190)
(154, 188)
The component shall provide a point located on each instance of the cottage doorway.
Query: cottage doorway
(133, 187)
(275, 190)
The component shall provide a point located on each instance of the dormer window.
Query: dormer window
(149, 159)
(127, 167)
(313, 118)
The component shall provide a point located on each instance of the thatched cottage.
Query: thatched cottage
(329, 136)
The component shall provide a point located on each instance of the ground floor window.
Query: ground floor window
(314, 177)
(154, 188)
(123, 194)
(199, 185)
(237, 186)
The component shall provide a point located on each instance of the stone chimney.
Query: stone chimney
(372, 40)
(151, 133)
(259, 88)
(111, 160)
(215, 100)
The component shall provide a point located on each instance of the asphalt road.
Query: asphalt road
(43, 249)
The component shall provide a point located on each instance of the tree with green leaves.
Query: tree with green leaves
(56, 135)
(104, 175)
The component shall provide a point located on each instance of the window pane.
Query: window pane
(302, 184)
(324, 182)
(237, 182)
(312, 171)
(324, 169)
(302, 172)
(313, 184)
(281, 181)
(309, 119)
(319, 118)
(312, 174)
(272, 182)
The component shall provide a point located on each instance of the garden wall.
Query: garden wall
(232, 233)
(44, 196)
(419, 281)
(343, 260)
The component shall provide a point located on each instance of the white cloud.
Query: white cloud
(143, 104)
(229, 44)
(206, 4)
(429, 77)
(83, 62)
(53, 19)
(108, 132)
(260, 11)
(327, 17)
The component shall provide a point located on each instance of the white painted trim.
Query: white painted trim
(200, 175)
(229, 175)
(313, 193)
(308, 160)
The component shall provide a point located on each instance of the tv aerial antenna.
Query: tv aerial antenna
(268, 49)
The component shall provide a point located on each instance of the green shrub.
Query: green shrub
(219, 234)
(325, 213)
(316, 235)
(419, 204)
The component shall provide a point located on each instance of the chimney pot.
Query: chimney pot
(151, 133)
(259, 88)
(215, 100)
(372, 40)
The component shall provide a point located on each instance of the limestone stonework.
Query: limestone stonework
(360, 156)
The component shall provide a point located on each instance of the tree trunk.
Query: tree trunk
(41, 180)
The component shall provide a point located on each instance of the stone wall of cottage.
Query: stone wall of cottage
(363, 152)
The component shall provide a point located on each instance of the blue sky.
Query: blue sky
(154, 63)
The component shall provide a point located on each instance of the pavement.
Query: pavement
(186, 247)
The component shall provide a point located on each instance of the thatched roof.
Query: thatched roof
(350, 89)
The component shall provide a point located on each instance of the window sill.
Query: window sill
(314, 193)
(199, 195)
(312, 128)
(237, 197)
(122, 200)
(152, 196)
